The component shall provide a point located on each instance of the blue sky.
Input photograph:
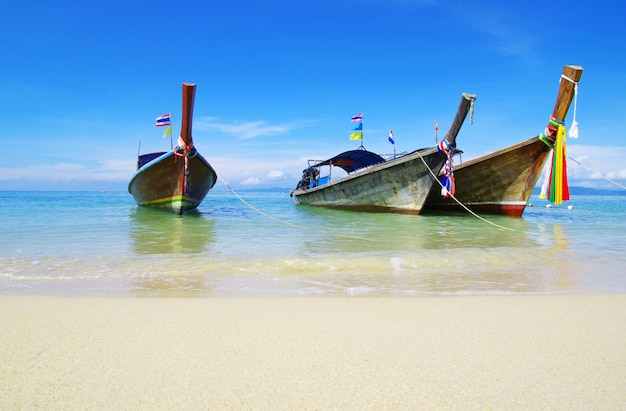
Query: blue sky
(277, 83)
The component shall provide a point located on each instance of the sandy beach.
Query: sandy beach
(458, 352)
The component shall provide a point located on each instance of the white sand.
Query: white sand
(502, 352)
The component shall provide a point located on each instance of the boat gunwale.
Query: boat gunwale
(161, 158)
(489, 156)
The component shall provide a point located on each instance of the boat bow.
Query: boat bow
(502, 182)
(400, 184)
(177, 180)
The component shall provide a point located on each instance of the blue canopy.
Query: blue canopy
(353, 160)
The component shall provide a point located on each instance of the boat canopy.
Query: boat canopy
(352, 160)
(146, 158)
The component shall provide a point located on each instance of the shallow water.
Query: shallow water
(92, 243)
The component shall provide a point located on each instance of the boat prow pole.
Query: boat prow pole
(189, 94)
(567, 90)
(467, 102)
(569, 79)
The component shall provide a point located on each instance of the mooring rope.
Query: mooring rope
(286, 222)
(498, 225)
(463, 205)
(483, 219)
(246, 203)
(256, 209)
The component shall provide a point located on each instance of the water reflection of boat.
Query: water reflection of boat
(340, 231)
(153, 232)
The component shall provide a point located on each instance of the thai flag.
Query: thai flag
(164, 120)
(391, 137)
(357, 118)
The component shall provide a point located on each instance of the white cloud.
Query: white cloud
(595, 166)
(117, 165)
(105, 170)
(600, 167)
(251, 181)
(43, 171)
(256, 173)
(275, 174)
(245, 130)
(509, 36)
(245, 167)
(618, 175)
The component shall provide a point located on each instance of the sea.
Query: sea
(259, 243)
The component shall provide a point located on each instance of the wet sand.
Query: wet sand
(457, 352)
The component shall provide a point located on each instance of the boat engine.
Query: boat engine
(308, 175)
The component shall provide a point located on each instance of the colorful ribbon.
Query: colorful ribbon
(549, 134)
(448, 184)
(555, 187)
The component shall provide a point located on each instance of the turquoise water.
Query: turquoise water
(92, 243)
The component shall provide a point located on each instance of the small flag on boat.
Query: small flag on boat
(358, 127)
(436, 130)
(164, 120)
(168, 130)
(357, 118)
(356, 136)
(391, 137)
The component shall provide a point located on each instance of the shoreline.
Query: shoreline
(557, 351)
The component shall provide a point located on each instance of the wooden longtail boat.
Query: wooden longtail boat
(503, 181)
(177, 180)
(400, 184)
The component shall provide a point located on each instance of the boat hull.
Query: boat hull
(161, 183)
(400, 185)
(503, 181)
(500, 182)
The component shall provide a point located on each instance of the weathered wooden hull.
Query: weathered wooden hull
(503, 181)
(161, 183)
(500, 182)
(177, 180)
(400, 185)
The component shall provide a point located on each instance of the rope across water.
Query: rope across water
(252, 207)
(463, 205)
(247, 204)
